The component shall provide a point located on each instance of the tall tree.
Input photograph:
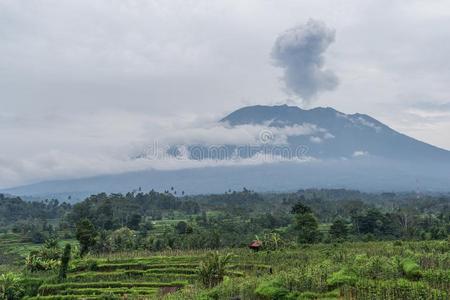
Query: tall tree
(65, 258)
(86, 235)
(338, 230)
(305, 223)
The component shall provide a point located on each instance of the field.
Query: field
(372, 270)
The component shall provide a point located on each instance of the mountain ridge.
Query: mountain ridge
(352, 132)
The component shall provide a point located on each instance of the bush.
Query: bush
(342, 277)
(411, 269)
(34, 262)
(271, 290)
(11, 286)
(212, 270)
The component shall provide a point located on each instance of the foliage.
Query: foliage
(65, 258)
(273, 241)
(345, 276)
(307, 228)
(271, 290)
(34, 262)
(86, 235)
(338, 230)
(46, 258)
(411, 269)
(213, 269)
(11, 287)
(122, 239)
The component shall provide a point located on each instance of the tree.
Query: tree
(65, 258)
(123, 239)
(105, 215)
(134, 222)
(338, 230)
(86, 235)
(307, 228)
(305, 223)
(183, 228)
(300, 208)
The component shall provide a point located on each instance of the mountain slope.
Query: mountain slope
(349, 134)
(349, 151)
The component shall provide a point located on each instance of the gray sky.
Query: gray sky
(83, 82)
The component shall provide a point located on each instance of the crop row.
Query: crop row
(149, 260)
(63, 297)
(121, 276)
(439, 279)
(130, 266)
(392, 290)
(49, 289)
(153, 274)
(116, 291)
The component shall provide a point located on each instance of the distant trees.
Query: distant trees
(306, 224)
(15, 210)
(183, 228)
(339, 230)
(111, 212)
(299, 209)
(137, 220)
(86, 235)
(134, 222)
(123, 239)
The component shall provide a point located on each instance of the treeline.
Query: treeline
(13, 209)
(156, 221)
(116, 210)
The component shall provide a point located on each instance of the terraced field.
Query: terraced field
(137, 278)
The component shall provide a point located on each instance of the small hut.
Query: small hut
(255, 245)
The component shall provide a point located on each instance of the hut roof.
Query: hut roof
(255, 244)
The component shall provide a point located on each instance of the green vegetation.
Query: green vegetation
(315, 244)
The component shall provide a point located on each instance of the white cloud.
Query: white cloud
(109, 142)
(316, 139)
(360, 153)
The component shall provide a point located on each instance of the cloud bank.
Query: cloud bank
(79, 146)
(300, 52)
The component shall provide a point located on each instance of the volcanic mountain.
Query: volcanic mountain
(337, 151)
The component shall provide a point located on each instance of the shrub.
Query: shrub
(11, 287)
(212, 270)
(34, 262)
(342, 277)
(271, 290)
(411, 269)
